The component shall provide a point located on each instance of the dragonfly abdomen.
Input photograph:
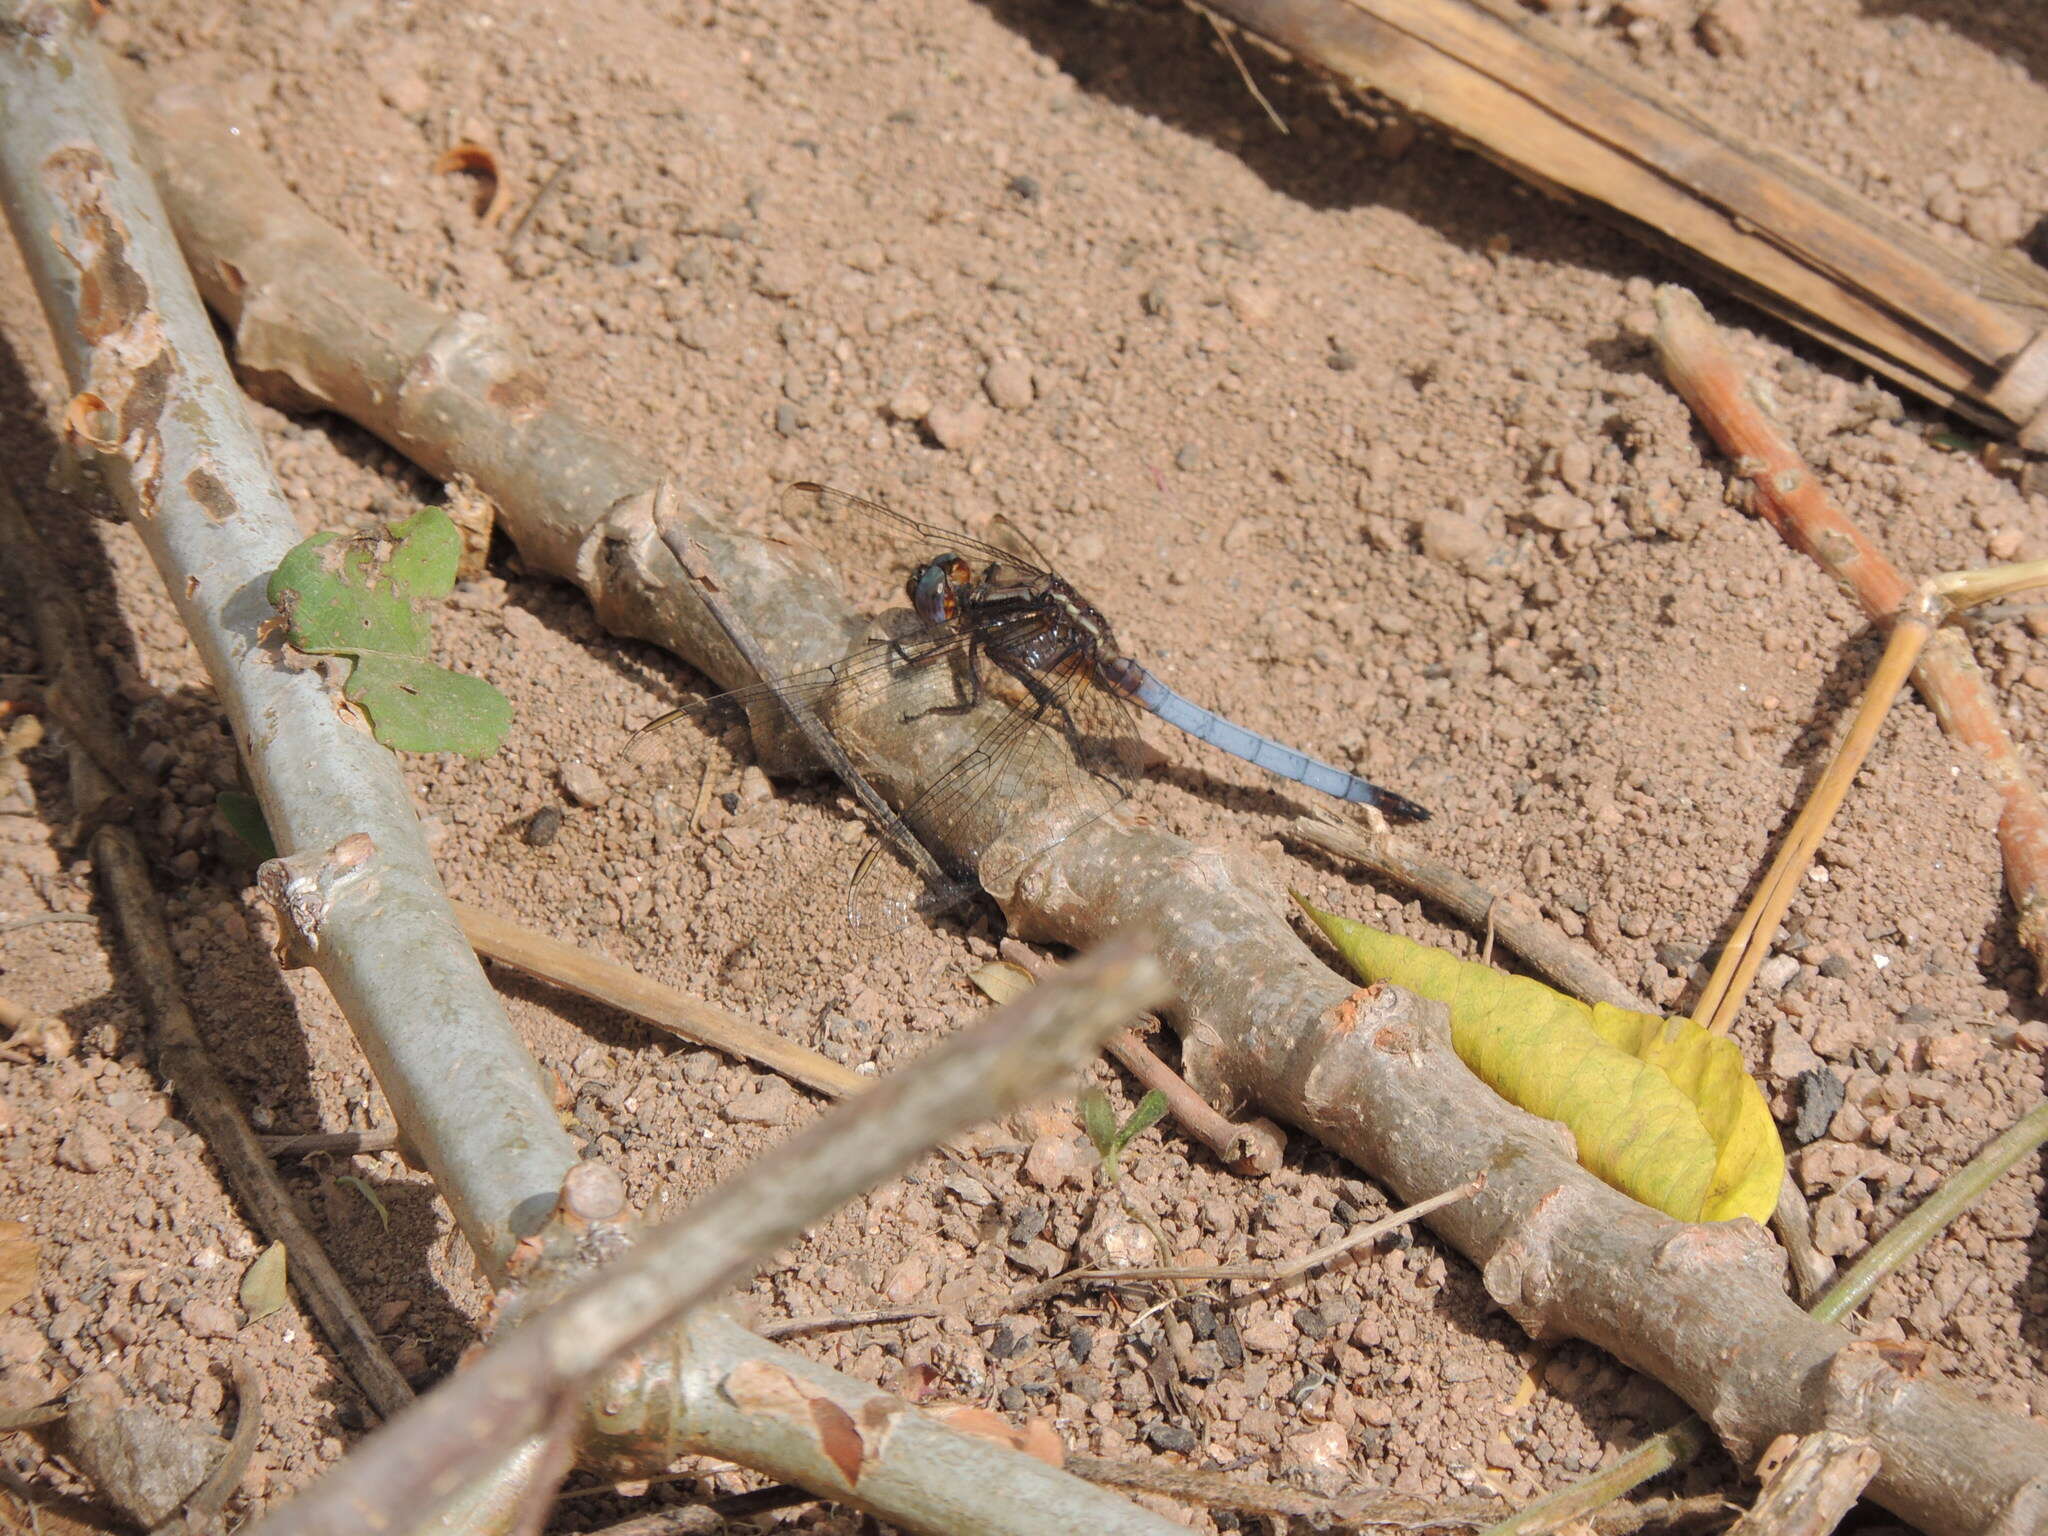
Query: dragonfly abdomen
(1147, 692)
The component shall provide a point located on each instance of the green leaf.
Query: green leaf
(1148, 1114)
(368, 1194)
(429, 547)
(415, 706)
(263, 1283)
(1661, 1109)
(340, 600)
(243, 813)
(364, 597)
(1099, 1121)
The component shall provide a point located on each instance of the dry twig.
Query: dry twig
(1792, 501)
(1253, 1148)
(689, 1018)
(513, 1390)
(181, 1057)
(1565, 962)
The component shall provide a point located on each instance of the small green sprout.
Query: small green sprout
(1110, 1139)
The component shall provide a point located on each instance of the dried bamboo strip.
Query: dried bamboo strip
(1962, 330)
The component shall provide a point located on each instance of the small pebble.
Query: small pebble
(779, 276)
(543, 826)
(208, 1320)
(1188, 458)
(1163, 1436)
(911, 402)
(1730, 29)
(1560, 511)
(584, 784)
(1455, 539)
(1252, 303)
(789, 418)
(86, 1150)
(1819, 1094)
(956, 426)
(1008, 384)
(1776, 972)
(1025, 188)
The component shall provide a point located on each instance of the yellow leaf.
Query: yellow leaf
(1002, 981)
(1662, 1110)
(263, 1283)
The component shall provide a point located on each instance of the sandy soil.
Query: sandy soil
(1358, 441)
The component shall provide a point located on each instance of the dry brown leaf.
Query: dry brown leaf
(263, 1283)
(20, 1255)
(494, 189)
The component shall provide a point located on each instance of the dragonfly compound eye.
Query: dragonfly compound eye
(935, 589)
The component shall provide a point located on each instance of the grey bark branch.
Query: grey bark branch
(884, 1455)
(176, 1047)
(168, 430)
(1701, 1309)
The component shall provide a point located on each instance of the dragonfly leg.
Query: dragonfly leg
(1049, 701)
(972, 688)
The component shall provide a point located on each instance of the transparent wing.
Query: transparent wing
(1026, 746)
(857, 682)
(807, 502)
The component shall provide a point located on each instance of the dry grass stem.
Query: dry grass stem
(1792, 501)
(1564, 962)
(689, 1018)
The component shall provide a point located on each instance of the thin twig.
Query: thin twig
(337, 1143)
(1275, 1501)
(588, 975)
(12, 924)
(1229, 47)
(1269, 1277)
(1564, 962)
(510, 1391)
(1721, 999)
(1253, 1148)
(1919, 1226)
(831, 1322)
(541, 198)
(203, 1508)
(180, 1054)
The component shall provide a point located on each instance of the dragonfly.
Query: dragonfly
(993, 625)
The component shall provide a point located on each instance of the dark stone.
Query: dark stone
(1170, 1437)
(543, 826)
(1818, 1093)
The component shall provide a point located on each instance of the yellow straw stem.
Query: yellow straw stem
(1751, 940)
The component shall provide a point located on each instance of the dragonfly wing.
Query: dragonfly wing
(809, 503)
(1029, 776)
(861, 681)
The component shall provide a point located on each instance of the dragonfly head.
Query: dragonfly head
(935, 589)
